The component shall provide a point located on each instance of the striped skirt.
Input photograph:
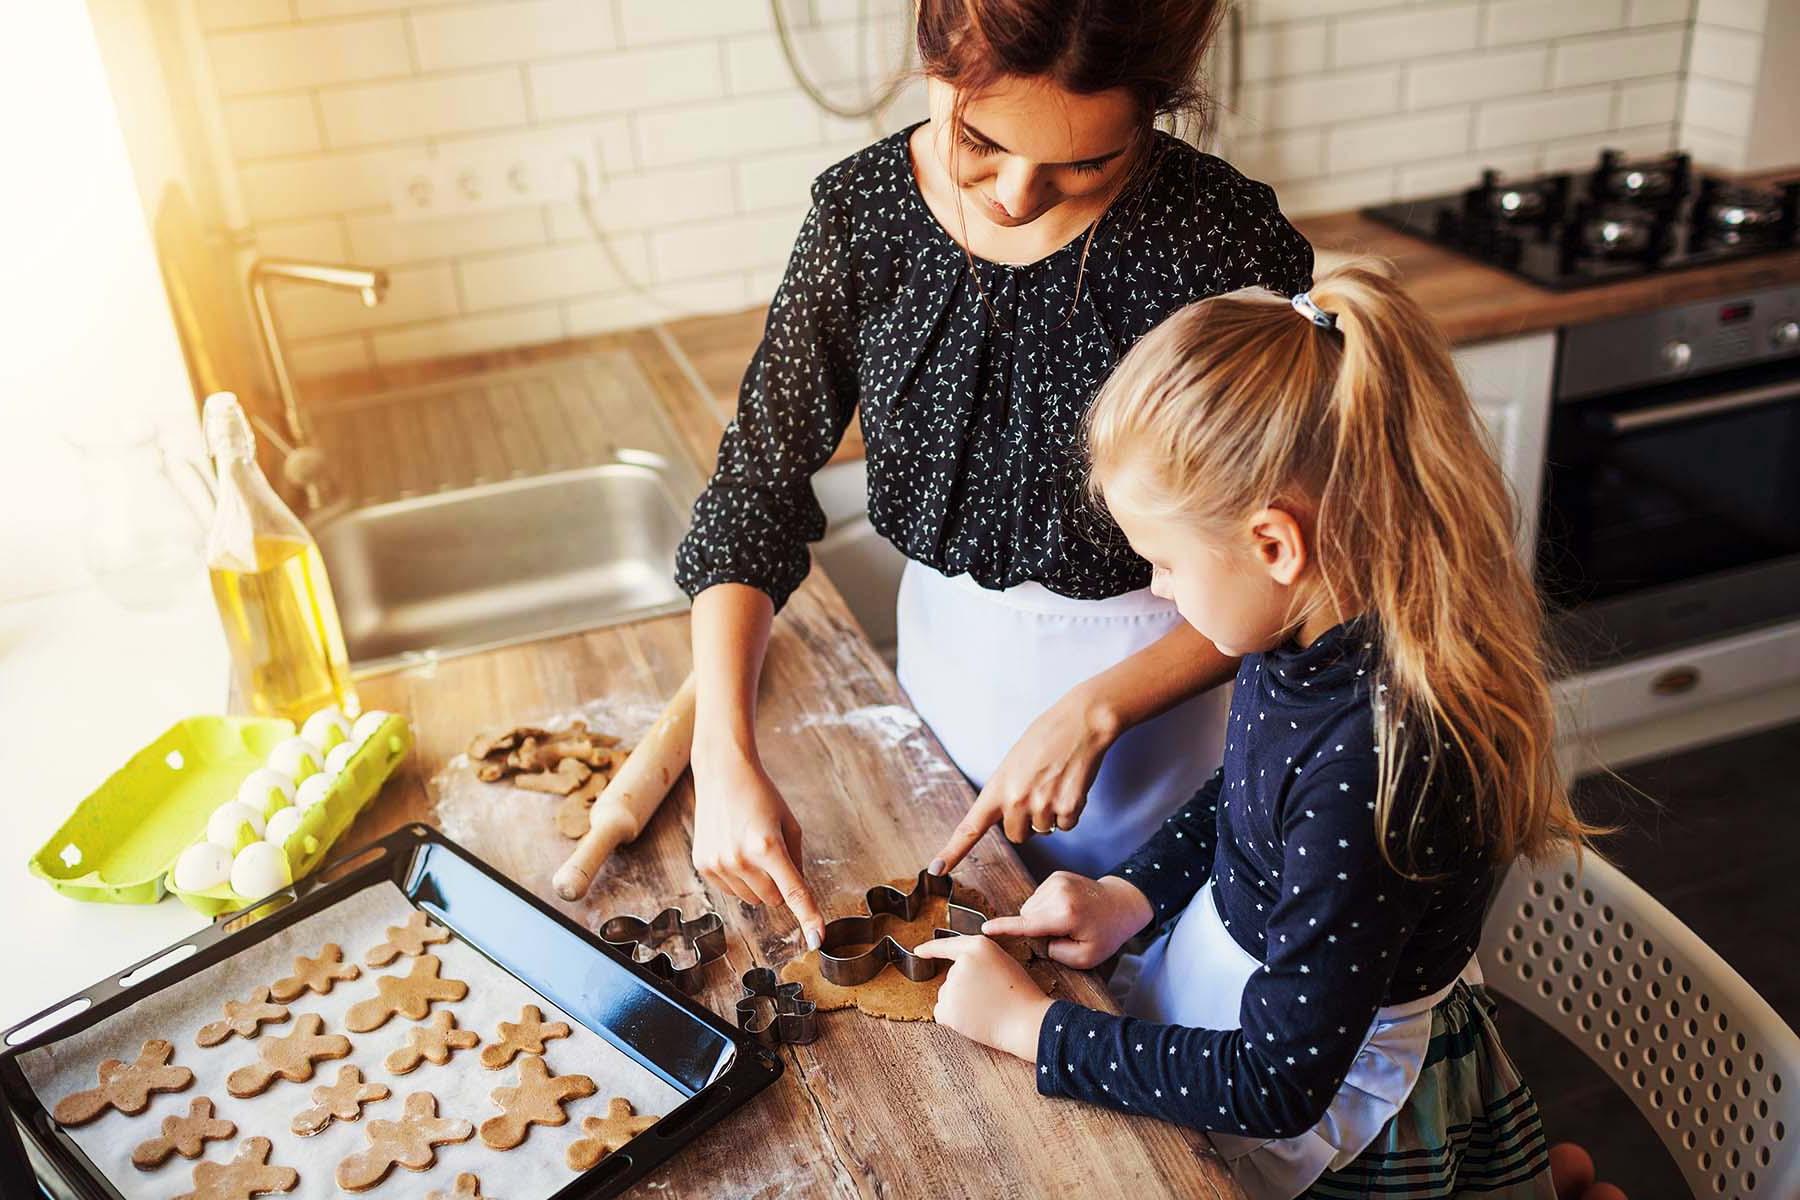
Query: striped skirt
(1469, 1128)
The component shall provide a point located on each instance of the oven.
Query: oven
(1671, 504)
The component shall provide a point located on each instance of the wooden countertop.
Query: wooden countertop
(1475, 303)
(873, 1107)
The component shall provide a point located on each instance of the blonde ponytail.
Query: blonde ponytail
(1236, 402)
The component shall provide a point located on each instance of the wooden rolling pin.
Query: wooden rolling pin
(632, 796)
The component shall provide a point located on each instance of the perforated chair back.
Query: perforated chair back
(1707, 1061)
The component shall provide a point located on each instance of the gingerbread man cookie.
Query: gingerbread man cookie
(289, 1058)
(538, 1100)
(468, 1187)
(247, 1174)
(409, 997)
(435, 1042)
(525, 1036)
(244, 1018)
(409, 939)
(186, 1136)
(319, 974)
(126, 1086)
(601, 1136)
(410, 1142)
(340, 1101)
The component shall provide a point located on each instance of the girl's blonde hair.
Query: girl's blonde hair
(1238, 402)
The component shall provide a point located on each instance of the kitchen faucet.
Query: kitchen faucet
(305, 465)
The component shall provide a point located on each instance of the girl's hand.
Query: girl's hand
(747, 843)
(987, 996)
(1086, 920)
(1042, 784)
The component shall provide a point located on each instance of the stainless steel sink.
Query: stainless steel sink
(452, 567)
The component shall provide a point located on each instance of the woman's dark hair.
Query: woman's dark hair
(1151, 48)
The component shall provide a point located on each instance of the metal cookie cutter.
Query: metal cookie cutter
(776, 1013)
(640, 940)
(884, 903)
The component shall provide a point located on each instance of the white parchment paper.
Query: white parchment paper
(532, 1171)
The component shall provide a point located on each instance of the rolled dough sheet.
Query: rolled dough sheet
(891, 995)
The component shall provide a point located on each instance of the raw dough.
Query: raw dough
(409, 939)
(186, 1136)
(291, 1057)
(126, 1086)
(410, 1142)
(340, 1101)
(434, 1041)
(891, 995)
(538, 1100)
(245, 1018)
(247, 1174)
(319, 974)
(527, 1035)
(602, 1136)
(410, 997)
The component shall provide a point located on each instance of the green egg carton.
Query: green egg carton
(122, 839)
(120, 844)
(321, 825)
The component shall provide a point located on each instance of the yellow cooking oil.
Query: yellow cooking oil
(281, 624)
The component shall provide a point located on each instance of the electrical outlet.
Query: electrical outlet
(461, 180)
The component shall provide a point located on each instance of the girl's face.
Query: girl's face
(1027, 145)
(1242, 588)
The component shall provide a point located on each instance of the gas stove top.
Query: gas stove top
(1620, 220)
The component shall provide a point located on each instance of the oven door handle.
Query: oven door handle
(1690, 410)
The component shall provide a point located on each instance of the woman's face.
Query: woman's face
(1027, 145)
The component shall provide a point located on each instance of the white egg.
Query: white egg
(367, 725)
(313, 790)
(339, 758)
(225, 826)
(258, 869)
(296, 758)
(201, 866)
(266, 789)
(326, 728)
(282, 826)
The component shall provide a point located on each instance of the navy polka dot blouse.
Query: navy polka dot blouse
(1286, 832)
(971, 416)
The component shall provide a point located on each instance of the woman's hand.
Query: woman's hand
(987, 996)
(747, 843)
(1086, 920)
(1042, 784)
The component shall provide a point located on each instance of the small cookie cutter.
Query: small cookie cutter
(883, 903)
(638, 938)
(791, 1020)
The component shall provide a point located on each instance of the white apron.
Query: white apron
(1194, 975)
(980, 666)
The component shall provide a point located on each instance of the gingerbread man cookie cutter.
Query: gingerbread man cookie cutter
(776, 1013)
(884, 904)
(639, 940)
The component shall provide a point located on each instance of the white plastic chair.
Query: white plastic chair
(1712, 1067)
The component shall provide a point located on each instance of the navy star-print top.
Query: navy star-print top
(1286, 832)
(971, 417)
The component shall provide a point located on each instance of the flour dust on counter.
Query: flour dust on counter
(533, 1171)
(503, 823)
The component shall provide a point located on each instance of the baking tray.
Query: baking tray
(694, 1053)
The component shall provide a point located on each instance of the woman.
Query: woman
(967, 284)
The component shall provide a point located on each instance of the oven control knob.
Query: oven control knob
(1677, 355)
(1785, 335)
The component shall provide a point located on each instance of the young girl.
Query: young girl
(962, 287)
(1310, 484)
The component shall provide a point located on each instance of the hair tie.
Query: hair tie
(1303, 304)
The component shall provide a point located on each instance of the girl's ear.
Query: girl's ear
(1279, 545)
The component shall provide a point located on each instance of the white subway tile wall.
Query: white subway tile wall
(705, 144)
(1723, 68)
(1353, 102)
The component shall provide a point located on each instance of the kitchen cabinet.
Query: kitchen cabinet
(1509, 382)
